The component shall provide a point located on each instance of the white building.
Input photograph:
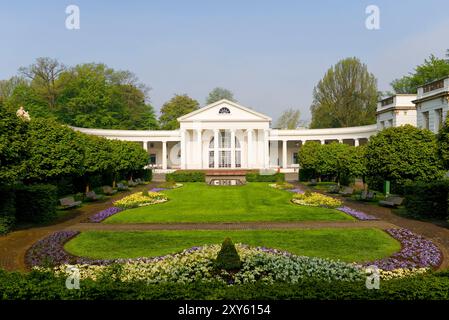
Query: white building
(396, 111)
(227, 135)
(432, 104)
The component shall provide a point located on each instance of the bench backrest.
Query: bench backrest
(107, 189)
(396, 200)
(67, 201)
(91, 194)
(120, 185)
(348, 190)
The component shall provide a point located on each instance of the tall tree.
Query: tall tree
(44, 76)
(218, 94)
(345, 97)
(289, 119)
(7, 87)
(178, 106)
(432, 69)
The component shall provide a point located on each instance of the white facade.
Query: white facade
(432, 104)
(396, 111)
(227, 135)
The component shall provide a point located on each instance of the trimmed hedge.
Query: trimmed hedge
(36, 203)
(7, 209)
(186, 176)
(256, 177)
(34, 285)
(427, 200)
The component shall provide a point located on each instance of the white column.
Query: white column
(145, 145)
(183, 149)
(266, 149)
(232, 148)
(200, 149)
(216, 148)
(164, 155)
(284, 154)
(250, 148)
(323, 141)
(340, 140)
(356, 142)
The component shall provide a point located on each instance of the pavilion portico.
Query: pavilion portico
(228, 135)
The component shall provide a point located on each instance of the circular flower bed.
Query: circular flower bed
(418, 255)
(140, 199)
(315, 199)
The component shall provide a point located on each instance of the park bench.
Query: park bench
(347, 191)
(69, 202)
(334, 189)
(91, 195)
(391, 202)
(131, 183)
(367, 195)
(108, 190)
(122, 187)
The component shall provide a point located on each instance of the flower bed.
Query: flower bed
(416, 252)
(102, 215)
(282, 185)
(356, 214)
(140, 199)
(315, 199)
(417, 256)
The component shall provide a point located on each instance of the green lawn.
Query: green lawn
(199, 202)
(351, 245)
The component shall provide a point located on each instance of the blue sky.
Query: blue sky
(269, 53)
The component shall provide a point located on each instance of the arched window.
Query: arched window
(224, 110)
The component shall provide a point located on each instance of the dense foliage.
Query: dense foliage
(35, 203)
(186, 176)
(335, 161)
(87, 95)
(345, 97)
(432, 69)
(178, 106)
(218, 94)
(403, 154)
(427, 199)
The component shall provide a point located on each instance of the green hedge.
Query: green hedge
(186, 176)
(7, 209)
(256, 177)
(36, 203)
(427, 200)
(17, 286)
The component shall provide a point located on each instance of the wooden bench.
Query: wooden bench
(91, 195)
(391, 202)
(347, 191)
(122, 187)
(69, 202)
(108, 190)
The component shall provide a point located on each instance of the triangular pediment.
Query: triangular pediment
(224, 110)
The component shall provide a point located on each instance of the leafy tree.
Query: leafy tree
(432, 69)
(218, 94)
(345, 97)
(403, 154)
(7, 87)
(13, 146)
(178, 106)
(54, 151)
(308, 158)
(126, 157)
(289, 119)
(443, 144)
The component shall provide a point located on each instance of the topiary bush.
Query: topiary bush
(186, 176)
(36, 203)
(427, 200)
(228, 257)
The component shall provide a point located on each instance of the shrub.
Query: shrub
(144, 174)
(256, 177)
(7, 209)
(315, 199)
(186, 176)
(36, 203)
(427, 199)
(228, 258)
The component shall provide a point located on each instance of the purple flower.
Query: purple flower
(357, 214)
(416, 252)
(102, 215)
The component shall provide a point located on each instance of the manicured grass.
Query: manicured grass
(199, 202)
(349, 245)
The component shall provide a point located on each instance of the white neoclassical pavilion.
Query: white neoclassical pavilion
(227, 135)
